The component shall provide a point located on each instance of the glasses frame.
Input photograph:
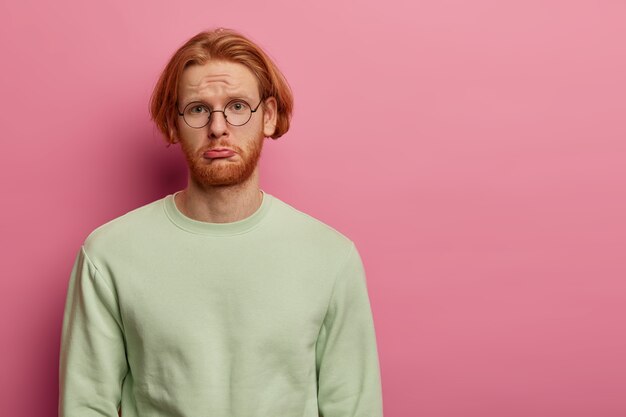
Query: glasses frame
(215, 111)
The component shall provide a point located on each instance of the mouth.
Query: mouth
(219, 153)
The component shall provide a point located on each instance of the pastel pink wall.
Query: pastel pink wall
(474, 150)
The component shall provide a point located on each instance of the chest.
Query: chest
(274, 310)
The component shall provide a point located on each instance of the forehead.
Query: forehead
(216, 78)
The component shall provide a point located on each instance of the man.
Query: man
(219, 300)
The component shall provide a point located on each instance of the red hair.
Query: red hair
(219, 44)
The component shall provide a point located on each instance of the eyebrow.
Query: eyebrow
(229, 97)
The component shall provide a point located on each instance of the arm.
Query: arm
(92, 361)
(348, 370)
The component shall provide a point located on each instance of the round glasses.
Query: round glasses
(237, 113)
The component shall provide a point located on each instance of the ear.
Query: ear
(270, 116)
(173, 134)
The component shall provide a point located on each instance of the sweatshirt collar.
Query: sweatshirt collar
(216, 229)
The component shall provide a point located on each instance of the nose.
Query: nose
(217, 124)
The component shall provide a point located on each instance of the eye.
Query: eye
(197, 109)
(238, 106)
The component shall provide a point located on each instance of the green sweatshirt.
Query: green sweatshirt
(269, 316)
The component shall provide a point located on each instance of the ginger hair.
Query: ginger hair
(219, 44)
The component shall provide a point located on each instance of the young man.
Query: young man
(219, 300)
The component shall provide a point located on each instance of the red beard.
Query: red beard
(223, 171)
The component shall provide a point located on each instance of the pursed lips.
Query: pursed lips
(219, 153)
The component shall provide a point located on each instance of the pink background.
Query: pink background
(474, 150)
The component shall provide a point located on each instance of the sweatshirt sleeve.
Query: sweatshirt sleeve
(92, 363)
(347, 364)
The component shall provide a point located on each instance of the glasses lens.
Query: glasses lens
(237, 112)
(196, 114)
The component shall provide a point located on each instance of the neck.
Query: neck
(220, 204)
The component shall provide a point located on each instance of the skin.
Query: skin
(225, 189)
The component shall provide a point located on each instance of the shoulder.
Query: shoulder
(129, 228)
(309, 231)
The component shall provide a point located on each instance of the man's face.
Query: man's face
(215, 84)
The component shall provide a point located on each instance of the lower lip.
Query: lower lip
(217, 155)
